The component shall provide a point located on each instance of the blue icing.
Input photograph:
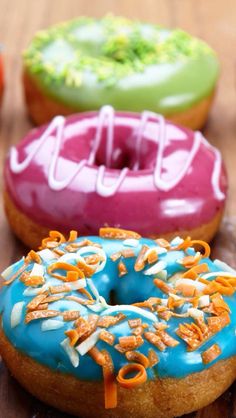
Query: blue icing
(44, 346)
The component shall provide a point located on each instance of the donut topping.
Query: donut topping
(185, 310)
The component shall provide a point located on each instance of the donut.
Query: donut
(117, 325)
(1, 78)
(86, 63)
(133, 171)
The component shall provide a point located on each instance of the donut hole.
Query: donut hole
(112, 298)
(124, 151)
(120, 159)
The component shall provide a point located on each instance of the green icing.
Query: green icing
(86, 63)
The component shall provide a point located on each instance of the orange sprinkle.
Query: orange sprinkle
(79, 300)
(31, 316)
(17, 273)
(191, 260)
(194, 271)
(219, 285)
(132, 382)
(144, 304)
(225, 281)
(93, 320)
(60, 265)
(120, 349)
(183, 245)
(216, 323)
(212, 287)
(130, 342)
(165, 313)
(107, 337)
(176, 315)
(86, 293)
(167, 339)
(163, 286)
(194, 301)
(152, 257)
(160, 326)
(152, 357)
(42, 306)
(93, 259)
(115, 256)
(174, 303)
(133, 323)
(23, 276)
(149, 303)
(140, 261)
(58, 252)
(33, 256)
(232, 281)
(52, 298)
(70, 315)
(137, 357)
(60, 289)
(34, 281)
(75, 245)
(192, 334)
(203, 326)
(70, 248)
(37, 300)
(87, 270)
(227, 287)
(73, 336)
(219, 304)
(211, 354)
(198, 331)
(138, 330)
(122, 269)
(128, 253)
(109, 320)
(154, 339)
(163, 243)
(205, 245)
(110, 385)
(97, 356)
(73, 236)
(186, 289)
(82, 326)
(72, 276)
(117, 233)
(226, 291)
(55, 238)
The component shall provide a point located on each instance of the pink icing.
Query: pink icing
(119, 169)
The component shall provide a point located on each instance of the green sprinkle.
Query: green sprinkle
(119, 48)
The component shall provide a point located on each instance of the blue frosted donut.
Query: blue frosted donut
(144, 310)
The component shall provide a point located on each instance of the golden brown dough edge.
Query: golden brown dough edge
(159, 398)
(32, 233)
(42, 108)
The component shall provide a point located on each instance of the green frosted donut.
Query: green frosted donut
(86, 63)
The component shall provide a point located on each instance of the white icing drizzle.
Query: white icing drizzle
(161, 140)
(106, 118)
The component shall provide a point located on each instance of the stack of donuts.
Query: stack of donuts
(118, 310)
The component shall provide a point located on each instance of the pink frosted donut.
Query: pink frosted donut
(133, 171)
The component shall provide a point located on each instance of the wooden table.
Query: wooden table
(214, 21)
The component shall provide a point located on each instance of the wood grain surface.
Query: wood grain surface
(212, 20)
